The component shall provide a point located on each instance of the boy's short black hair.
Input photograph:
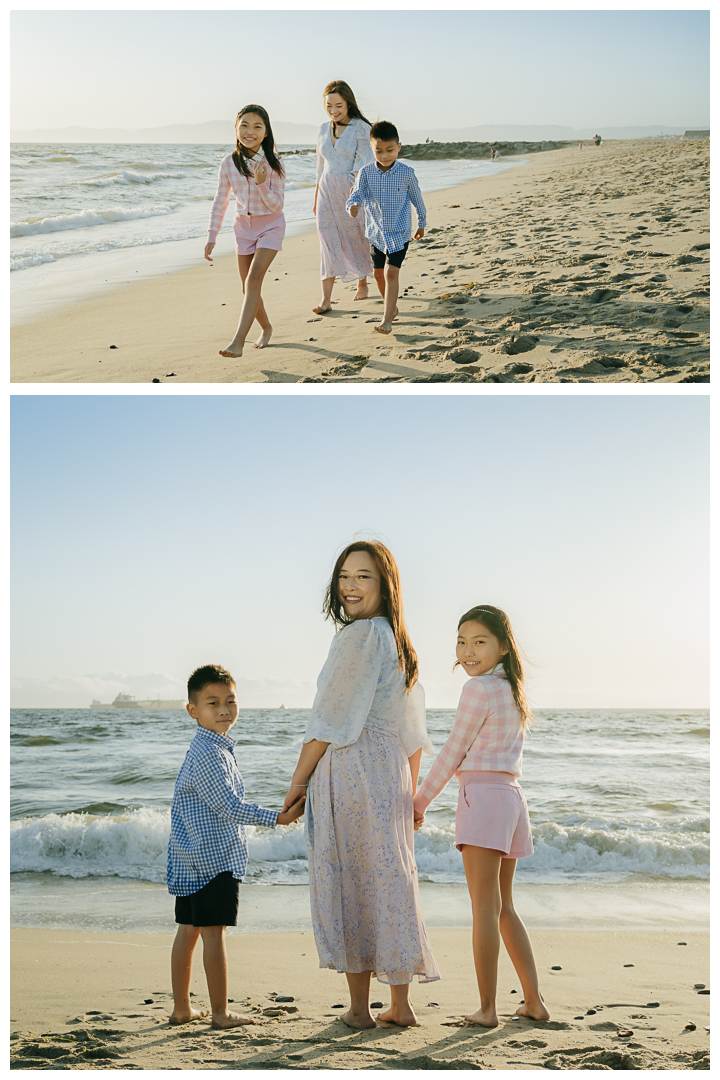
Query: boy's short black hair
(208, 673)
(383, 129)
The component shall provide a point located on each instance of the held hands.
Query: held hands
(293, 812)
(418, 820)
(260, 173)
(419, 234)
(208, 250)
(295, 792)
(354, 210)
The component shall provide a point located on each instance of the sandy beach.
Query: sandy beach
(581, 266)
(90, 1001)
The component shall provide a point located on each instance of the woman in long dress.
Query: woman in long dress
(360, 762)
(342, 150)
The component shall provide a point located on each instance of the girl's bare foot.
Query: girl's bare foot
(231, 1020)
(484, 1019)
(536, 1010)
(264, 338)
(401, 1015)
(187, 1018)
(233, 350)
(358, 1022)
(320, 310)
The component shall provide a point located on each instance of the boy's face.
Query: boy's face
(215, 707)
(385, 152)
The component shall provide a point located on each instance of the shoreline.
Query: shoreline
(564, 261)
(82, 1000)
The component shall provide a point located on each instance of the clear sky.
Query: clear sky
(150, 536)
(423, 68)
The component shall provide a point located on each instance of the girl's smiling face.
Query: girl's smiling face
(336, 108)
(251, 131)
(478, 651)
(360, 586)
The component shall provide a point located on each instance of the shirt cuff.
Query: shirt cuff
(212, 237)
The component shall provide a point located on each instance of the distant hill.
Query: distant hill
(221, 131)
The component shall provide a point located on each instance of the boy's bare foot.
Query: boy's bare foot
(484, 1019)
(231, 1020)
(233, 350)
(360, 1023)
(362, 293)
(536, 1010)
(264, 338)
(187, 1018)
(320, 310)
(404, 1017)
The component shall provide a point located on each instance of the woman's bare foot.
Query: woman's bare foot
(264, 338)
(362, 293)
(320, 310)
(358, 1022)
(484, 1019)
(536, 1010)
(234, 350)
(231, 1020)
(403, 1016)
(187, 1018)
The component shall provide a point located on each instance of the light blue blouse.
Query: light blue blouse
(350, 152)
(361, 686)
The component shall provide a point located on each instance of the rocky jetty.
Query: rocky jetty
(435, 151)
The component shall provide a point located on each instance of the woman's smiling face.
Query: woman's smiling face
(360, 586)
(336, 108)
(477, 649)
(251, 131)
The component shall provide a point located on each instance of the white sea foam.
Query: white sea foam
(87, 218)
(128, 176)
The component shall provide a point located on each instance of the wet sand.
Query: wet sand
(581, 266)
(79, 1002)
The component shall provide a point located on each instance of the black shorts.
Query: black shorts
(216, 904)
(394, 258)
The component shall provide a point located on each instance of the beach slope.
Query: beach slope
(88, 1001)
(584, 265)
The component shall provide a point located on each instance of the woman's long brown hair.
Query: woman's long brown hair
(268, 144)
(497, 622)
(391, 595)
(338, 86)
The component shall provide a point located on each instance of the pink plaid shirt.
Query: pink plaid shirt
(250, 198)
(487, 736)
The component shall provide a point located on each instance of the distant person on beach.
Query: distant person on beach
(492, 825)
(254, 174)
(360, 762)
(597, 140)
(386, 188)
(343, 148)
(207, 852)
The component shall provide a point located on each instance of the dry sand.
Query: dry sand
(79, 1002)
(581, 266)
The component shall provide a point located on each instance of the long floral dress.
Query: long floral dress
(364, 894)
(344, 249)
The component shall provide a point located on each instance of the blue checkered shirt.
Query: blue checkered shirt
(386, 197)
(207, 816)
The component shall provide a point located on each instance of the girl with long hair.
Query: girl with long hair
(254, 174)
(359, 764)
(343, 148)
(492, 825)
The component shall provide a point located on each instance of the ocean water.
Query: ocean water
(619, 804)
(90, 215)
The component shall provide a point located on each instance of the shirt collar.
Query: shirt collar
(203, 733)
(385, 172)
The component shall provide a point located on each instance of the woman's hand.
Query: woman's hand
(295, 792)
(418, 820)
(261, 173)
(315, 201)
(293, 812)
(208, 250)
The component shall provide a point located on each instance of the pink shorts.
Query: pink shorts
(492, 813)
(253, 231)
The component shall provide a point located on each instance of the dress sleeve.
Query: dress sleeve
(272, 192)
(347, 685)
(413, 733)
(320, 160)
(220, 204)
(471, 714)
(363, 153)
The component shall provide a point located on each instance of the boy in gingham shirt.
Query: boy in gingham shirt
(386, 188)
(207, 852)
